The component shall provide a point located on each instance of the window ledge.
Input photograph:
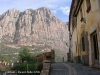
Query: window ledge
(81, 19)
(88, 10)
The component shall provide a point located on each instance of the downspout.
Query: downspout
(77, 44)
(99, 32)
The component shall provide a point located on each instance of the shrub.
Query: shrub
(30, 66)
(25, 55)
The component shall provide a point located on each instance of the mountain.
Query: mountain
(34, 27)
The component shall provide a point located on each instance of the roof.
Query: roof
(75, 6)
(70, 13)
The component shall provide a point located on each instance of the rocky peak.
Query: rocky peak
(11, 12)
(43, 8)
(14, 10)
(33, 27)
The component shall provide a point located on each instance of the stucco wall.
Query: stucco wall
(82, 29)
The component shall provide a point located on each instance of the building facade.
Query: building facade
(84, 28)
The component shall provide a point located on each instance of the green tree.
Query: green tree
(5, 58)
(25, 55)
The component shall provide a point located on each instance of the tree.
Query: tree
(25, 55)
(5, 58)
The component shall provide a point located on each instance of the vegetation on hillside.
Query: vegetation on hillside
(25, 55)
(27, 63)
(33, 67)
(59, 55)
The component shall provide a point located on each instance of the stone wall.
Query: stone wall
(46, 67)
(49, 56)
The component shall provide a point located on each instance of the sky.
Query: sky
(60, 8)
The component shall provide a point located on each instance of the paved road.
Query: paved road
(59, 69)
(72, 69)
(84, 70)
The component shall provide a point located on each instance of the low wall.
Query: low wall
(46, 67)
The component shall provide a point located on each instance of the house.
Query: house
(84, 32)
(45, 56)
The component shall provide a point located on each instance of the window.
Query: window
(88, 6)
(81, 14)
(83, 44)
(76, 46)
(74, 22)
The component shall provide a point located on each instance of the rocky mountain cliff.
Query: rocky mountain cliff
(34, 27)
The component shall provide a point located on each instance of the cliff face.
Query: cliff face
(33, 27)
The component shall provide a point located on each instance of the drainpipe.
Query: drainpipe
(99, 32)
(77, 45)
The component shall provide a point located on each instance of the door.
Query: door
(95, 47)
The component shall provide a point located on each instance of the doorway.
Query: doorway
(95, 47)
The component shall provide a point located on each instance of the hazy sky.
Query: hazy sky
(60, 8)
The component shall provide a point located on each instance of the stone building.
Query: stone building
(45, 56)
(84, 28)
